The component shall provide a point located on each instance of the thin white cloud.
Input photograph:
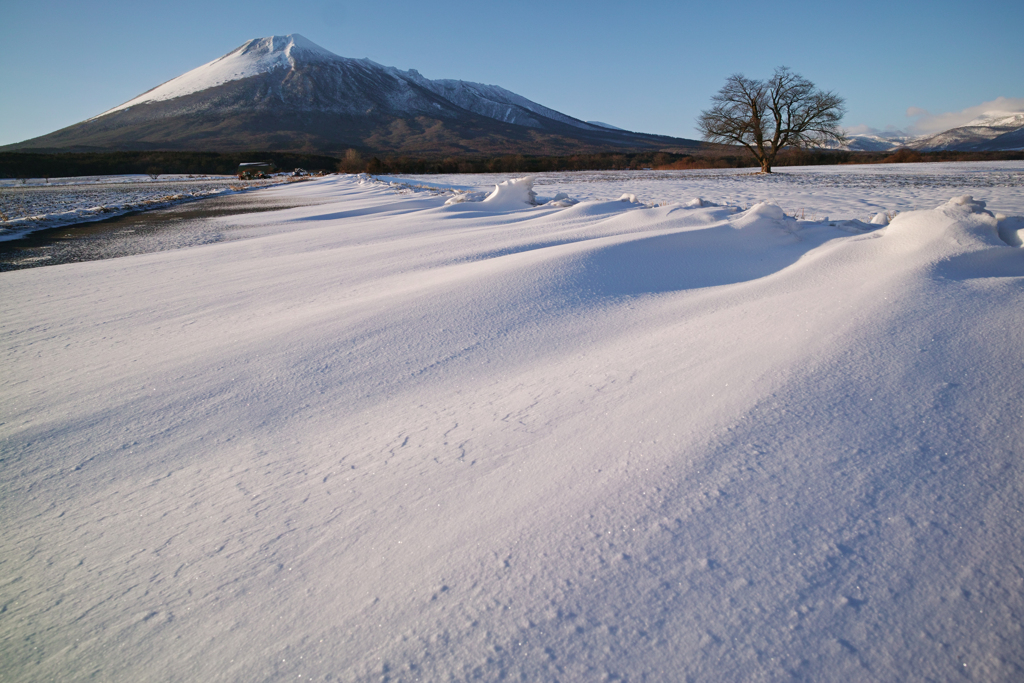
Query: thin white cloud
(926, 123)
(888, 131)
(861, 129)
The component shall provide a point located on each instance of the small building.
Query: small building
(255, 169)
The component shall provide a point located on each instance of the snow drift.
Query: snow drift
(386, 439)
(512, 194)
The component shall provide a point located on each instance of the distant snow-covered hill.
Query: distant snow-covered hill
(983, 133)
(992, 131)
(286, 93)
(863, 142)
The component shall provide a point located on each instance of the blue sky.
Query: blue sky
(645, 66)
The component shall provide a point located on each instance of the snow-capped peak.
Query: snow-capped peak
(355, 86)
(256, 56)
(998, 119)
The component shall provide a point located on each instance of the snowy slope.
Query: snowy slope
(287, 94)
(294, 52)
(874, 143)
(492, 101)
(386, 438)
(255, 57)
(604, 125)
(976, 135)
(990, 131)
(999, 119)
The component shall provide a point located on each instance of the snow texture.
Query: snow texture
(512, 194)
(847, 192)
(490, 100)
(382, 438)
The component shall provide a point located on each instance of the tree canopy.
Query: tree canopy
(765, 116)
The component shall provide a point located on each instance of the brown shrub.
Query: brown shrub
(903, 156)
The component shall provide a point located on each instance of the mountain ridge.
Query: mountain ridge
(991, 131)
(285, 93)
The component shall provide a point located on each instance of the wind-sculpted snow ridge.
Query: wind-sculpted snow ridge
(512, 194)
(849, 192)
(383, 438)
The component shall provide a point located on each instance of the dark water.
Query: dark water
(176, 227)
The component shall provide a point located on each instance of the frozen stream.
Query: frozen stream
(37, 204)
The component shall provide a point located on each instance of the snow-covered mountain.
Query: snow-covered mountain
(287, 93)
(254, 58)
(865, 142)
(987, 132)
(293, 54)
(992, 131)
(604, 125)
(492, 101)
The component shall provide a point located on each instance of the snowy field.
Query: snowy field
(394, 436)
(40, 203)
(808, 192)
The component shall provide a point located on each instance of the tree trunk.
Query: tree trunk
(766, 166)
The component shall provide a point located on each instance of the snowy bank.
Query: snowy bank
(42, 203)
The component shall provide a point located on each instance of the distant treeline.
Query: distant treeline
(519, 163)
(801, 157)
(32, 165)
(69, 164)
(910, 156)
(710, 158)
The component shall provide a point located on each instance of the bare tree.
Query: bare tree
(352, 163)
(786, 110)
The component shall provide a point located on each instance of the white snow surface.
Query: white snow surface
(845, 192)
(512, 194)
(386, 438)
